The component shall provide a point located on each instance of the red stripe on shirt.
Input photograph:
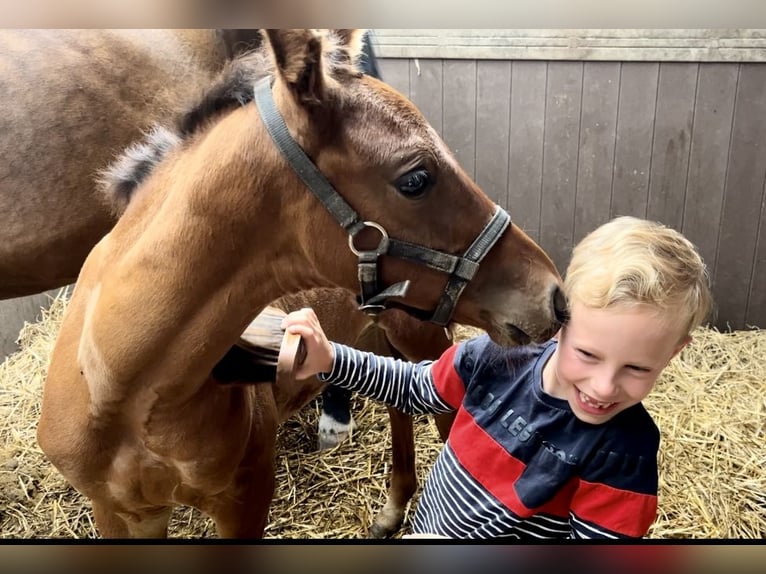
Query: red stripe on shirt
(497, 470)
(622, 511)
(448, 383)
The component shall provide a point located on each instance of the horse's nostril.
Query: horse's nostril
(560, 306)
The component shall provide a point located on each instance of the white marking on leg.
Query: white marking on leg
(332, 433)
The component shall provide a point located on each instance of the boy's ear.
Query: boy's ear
(679, 347)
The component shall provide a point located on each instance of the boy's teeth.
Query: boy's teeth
(586, 399)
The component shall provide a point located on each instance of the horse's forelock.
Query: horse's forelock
(120, 179)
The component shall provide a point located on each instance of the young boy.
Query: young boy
(551, 440)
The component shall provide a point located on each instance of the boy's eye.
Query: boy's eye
(638, 369)
(585, 354)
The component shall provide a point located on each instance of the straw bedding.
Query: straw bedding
(710, 406)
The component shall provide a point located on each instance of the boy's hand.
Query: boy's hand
(319, 353)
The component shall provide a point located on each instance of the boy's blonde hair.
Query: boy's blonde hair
(630, 261)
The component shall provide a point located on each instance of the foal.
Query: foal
(221, 227)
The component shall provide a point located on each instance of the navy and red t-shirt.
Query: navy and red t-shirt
(518, 462)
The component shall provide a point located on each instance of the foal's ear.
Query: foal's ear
(298, 59)
(349, 44)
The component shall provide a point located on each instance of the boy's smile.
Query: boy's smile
(608, 360)
(590, 405)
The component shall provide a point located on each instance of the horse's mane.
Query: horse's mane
(232, 88)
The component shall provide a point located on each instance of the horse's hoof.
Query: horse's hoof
(379, 532)
(332, 433)
(387, 522)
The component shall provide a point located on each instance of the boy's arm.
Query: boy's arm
(407, 386)
(426, 387)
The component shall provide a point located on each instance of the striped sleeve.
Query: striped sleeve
(407, 386)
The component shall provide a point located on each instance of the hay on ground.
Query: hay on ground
(709, 404)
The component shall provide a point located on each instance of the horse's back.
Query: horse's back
(72, 101)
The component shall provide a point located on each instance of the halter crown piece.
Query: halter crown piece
(372, 301)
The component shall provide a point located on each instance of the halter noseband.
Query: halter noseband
(461, 269)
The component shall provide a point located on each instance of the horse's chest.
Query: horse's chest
(142, 475)
(177, 452)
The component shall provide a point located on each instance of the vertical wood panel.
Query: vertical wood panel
(633, 150)
(493, 114)
(426, 90)
(459, 96)
(14, 313)
(742, 197)
(525, 156)
(396, 72)
(601, 84)
(756, 309)
(713, 116)
(562, 136)
(672, 139)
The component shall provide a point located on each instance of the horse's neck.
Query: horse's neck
(194, 261)
(204, 47)
(179, 52)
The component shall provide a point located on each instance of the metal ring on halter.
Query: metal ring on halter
(382, 246)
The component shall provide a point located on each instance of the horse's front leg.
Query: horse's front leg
(444, 424)
(147, 523)
(403, 477)
(242, 509)
(336, 421)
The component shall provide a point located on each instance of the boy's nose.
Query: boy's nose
(603, 387)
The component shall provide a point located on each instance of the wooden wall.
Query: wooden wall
(14, 313)
(566, 145)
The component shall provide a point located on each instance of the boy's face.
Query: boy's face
(609, 360)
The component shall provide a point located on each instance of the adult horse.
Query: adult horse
(74, 100)
(219, 224)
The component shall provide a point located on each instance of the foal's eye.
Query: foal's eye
(413, 184)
